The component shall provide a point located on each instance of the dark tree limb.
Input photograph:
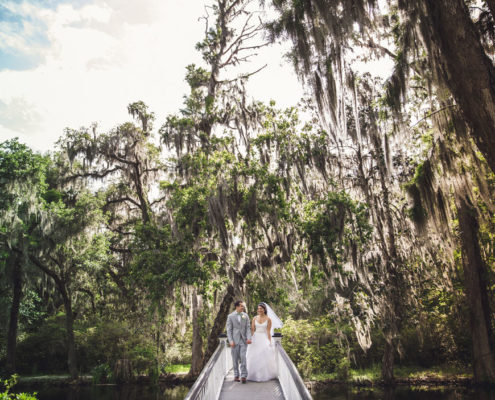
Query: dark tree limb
(458, 55)
(475, 282)
(14, 312)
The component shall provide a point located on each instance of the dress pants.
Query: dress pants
(239, 356)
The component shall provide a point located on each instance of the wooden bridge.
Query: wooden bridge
(216, 381)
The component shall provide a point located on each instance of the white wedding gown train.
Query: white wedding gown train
(260, 358)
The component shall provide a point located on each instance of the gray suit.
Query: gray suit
(239, 331)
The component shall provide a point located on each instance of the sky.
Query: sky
(67, 64)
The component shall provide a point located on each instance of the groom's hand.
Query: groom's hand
(232, 344)
(249, 341)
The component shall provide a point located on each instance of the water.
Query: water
(135, 392)
(405, 393)
(110, 392)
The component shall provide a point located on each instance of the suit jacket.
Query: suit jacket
(238, 332)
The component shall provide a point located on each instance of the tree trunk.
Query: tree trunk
(464, 67)
(197, 344)
(476, 292)
(122, 371)
(69, 315)
(391, 318)
(141, 193)
(14, 313)
(388, 362)
(219, 323)
(71, 343)
(224, 309)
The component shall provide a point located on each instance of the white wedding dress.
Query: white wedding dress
(260, 358)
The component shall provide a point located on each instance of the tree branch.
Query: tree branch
(94, 174)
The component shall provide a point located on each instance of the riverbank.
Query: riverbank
(177, 375)
(405, 376)
(85, 380)
(174, 374)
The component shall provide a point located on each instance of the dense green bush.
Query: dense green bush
(44, 350)
(98, 348)
(106, 342)
(314, 347)
(102, 373)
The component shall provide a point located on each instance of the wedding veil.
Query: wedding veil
(276, 322)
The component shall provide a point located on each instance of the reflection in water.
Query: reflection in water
(111, 392)
(405, 393)
(135, 392)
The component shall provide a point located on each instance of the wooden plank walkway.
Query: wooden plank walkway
(231, 390)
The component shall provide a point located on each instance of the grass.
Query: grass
(178, 368)
(44, 377)
(373, 373)
(49, 379)
(436, 372)
(55, 378)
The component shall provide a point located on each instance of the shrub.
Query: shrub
(314, 347)
(44, 350)
(110, 341)
(102, 374)
(9, 384)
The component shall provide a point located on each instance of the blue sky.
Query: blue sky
(27, 34)
(23, 30)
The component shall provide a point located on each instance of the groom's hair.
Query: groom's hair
(236, 304)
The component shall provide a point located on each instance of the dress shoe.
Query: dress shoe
(237, 379)
(243, 380)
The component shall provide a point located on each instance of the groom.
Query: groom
(239, 335)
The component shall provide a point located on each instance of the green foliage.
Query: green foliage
(108, 341)
(20, 165)
(279, 295)
(314, 347)
(140, 111)
(22, 183)
(439, 333)
(334, 223)
(177, 368)
(31, 311)
(9, 384)
(98, 348)
(196, 76)
(45, 349)
(102, 374)
(163, 260)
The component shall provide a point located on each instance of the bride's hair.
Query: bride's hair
(262, 305)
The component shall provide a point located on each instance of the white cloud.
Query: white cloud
(107, 54)
(19, 115)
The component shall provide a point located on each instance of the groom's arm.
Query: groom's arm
(248, 330)
(230, 328)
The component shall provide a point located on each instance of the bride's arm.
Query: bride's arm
(252, 326)
(269, 329)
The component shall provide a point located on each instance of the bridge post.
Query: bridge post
(223, 342)
(277, 340)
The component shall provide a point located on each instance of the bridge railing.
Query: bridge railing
(291, 382)
(210, 381)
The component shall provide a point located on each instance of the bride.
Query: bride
(261, 358)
